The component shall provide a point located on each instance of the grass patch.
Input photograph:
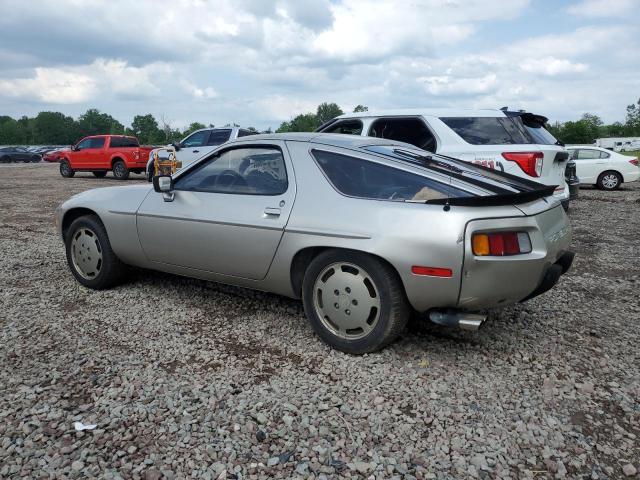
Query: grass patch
(635, 153)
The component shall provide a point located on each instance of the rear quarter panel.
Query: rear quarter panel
(402, 234)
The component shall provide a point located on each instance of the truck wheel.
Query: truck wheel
(99, 174)
(90, 256)
(354, 302)
(65, 169)
(120, 170)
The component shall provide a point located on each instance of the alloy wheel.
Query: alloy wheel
(610, 181)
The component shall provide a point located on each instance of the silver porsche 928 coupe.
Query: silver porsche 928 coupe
(364, 230)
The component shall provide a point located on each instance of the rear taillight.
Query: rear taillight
(634, 161)
(529, 162)
(500, 244)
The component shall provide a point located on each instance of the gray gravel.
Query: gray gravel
(185, 378)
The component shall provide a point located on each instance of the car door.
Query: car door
(80, 156)
(95, 153)
(588, 164)
(227, 215)
(193, 147)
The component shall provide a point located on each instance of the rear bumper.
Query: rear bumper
(552, 275)
(490, 282)
(631, 177)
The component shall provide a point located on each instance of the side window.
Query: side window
(122, 142)
(197, 139)
(348, 127)
(246, 133)
(604, 155)
(408, 130)
(218, 137)
(248, 171)
(97, 142)
(84, 144)
(588, 154)
(355, 177)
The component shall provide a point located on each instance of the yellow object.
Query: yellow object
(165, 166)
(480, 244)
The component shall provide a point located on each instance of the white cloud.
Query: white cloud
(604, 8)
(552, 66)
(51, 85)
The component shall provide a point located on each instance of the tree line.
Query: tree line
(55, 128)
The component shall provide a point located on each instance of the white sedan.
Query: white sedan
(603, 168)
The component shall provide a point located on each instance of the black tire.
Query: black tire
(609, 180)
(111, 271)
(120, 170)
(6, 159)
(394, 308)
(100, 174)
(66, 170)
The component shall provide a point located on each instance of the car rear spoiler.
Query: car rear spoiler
(497, 199)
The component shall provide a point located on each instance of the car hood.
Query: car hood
(124, 199)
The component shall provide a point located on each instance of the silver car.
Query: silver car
(364, 230)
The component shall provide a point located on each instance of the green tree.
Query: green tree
(360, 108)
(305, 122)
(327, 111)
(193, 127)
(93, 122)
(632, 123)
(145, 127)
(54, 128)
(11, 132)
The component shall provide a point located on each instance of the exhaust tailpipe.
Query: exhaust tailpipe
(454, 318)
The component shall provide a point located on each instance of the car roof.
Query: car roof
(427, 112)
(331, 139)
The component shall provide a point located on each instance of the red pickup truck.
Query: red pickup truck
(101, 153)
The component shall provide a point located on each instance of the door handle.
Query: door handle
(196, 151)
(272, 212)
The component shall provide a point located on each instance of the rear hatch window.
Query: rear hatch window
(500, 188)
(515, 128)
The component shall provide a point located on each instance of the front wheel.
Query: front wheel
(89, 254)
(609, 181)
(65, 169)
(99, 174)
(120, 170)
(354, 301)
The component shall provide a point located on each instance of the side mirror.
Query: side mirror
(176, 146)
(74, 148)
(163, 183)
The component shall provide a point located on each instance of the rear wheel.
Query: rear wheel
(354, 301)
(609, 181)
(89, 254)
(120, 170)
(66, 170)
(99, 174)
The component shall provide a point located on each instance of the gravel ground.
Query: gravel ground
(185, 378)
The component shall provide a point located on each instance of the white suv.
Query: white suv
(200, 143)
(513, 142)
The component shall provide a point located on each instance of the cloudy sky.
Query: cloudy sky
(259, 62)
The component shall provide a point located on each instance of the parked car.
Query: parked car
(200, 143)
(17, 154)
(604, 168)
(102, 153)
(364, 230)
(55, 155)
(512, 142)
